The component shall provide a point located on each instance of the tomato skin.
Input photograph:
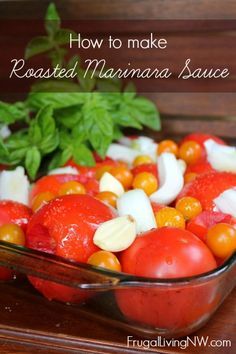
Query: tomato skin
(200, 167)
(207, 187)
(200, 138)
(15, 213)
(149, 167)
(53, 183)
(6, 274)
(65, 227)
(162, 253)
(201, 223)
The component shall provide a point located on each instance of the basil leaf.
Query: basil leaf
(52, 20)
(45, 121)
(35, 134)
(54, 86)
(62, 36)
(87, 83)
(82, 155)
(69, 117)
(32, 161)
(37, 45)
(60, 158)
(12, 112)
(146, 113)
(56, 99)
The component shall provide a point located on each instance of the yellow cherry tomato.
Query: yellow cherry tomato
(221, 239)
(123, 174)
(170, 217)
(72, 187)
(190, 152)
(141, 160)
(12, 233)
(189, 207)
(41, 199)
(189, 177)
(167, 146)
(106, 260)
(145, 181)
(101, 170)
(107, 198)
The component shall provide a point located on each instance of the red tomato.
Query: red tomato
(200, 167)
(147, 167)
(89, 172)
(157, 207)
(202, 222)
(15, 213)
(208, 186)
(164, 253)
(200, 138)
(53, 183)
(65, 227)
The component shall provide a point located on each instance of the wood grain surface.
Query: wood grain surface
(31, 324)
(124, 9)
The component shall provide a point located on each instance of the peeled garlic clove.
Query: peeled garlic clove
(170, 178)
(109, 183)
(122, 153)
(221, 158)
(137, 204)
(226, 202)
(116, 235)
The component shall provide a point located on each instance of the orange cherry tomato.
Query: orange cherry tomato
(101, 170)
(41, 199)
(72, 187)
(124, 175)
(189, 207)
(170, 217)
(141, 160)
(190, 152)
(145, 181)
(107, 198)
(167, 146)
(106, 260)
(190, 176)
(12, 233)
(221, 239)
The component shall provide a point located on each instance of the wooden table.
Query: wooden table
(31, 324)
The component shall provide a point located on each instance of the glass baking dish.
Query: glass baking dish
(142, 306)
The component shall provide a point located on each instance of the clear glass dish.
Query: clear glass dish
(142, 306)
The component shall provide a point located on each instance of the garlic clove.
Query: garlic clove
(116, 235)
(109, 183)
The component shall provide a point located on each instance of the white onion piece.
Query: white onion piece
(146, 146)
(226, 202)
(170, 179)
(14, 185)
(221, 157)
(64, 170)
(137, 204)
(122, 153)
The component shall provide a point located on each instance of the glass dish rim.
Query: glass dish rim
(125, 279)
